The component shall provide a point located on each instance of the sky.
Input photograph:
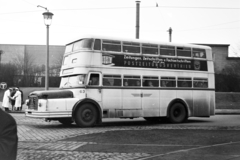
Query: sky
(192, 21)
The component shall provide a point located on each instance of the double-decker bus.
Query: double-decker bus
(104, 77)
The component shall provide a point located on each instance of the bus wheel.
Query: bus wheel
(86, 115)
(177, 113)
(66, 121)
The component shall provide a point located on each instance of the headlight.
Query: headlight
(27, 102)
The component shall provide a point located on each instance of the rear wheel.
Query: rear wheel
(66, 121)
(177, 113)
(86, 115)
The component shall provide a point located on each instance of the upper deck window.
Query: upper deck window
(131, 47)
(97, 44)
(73, 81)
(110, 45)
(150, 49)
(184, 51)
(167, 50)
(69, 48)
(83, 44)
(199, 53)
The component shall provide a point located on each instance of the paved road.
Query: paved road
(50, 140)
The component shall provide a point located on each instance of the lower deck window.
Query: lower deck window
(150, 81)
(131, 81)
(200, 83)
(112, 80)
(184, 82)
(168, 82)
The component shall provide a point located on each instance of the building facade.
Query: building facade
(29, 61)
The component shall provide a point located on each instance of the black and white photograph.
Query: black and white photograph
(120, 80)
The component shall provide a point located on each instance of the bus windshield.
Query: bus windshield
(73, 81)
(81, 44)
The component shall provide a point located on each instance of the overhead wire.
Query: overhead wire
(235, 8)
(200, 28)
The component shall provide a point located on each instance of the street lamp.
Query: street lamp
(47, 20)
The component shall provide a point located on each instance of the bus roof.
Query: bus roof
(141, 41)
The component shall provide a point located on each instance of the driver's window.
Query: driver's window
(94, 79)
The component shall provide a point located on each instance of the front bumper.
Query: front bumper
(56, 114)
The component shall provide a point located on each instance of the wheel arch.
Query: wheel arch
(178, 100)
(84, 101)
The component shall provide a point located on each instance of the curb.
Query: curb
(227, 111)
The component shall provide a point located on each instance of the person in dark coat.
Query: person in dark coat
(13, 100)
(8, 137)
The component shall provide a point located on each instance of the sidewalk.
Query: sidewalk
(11, 111)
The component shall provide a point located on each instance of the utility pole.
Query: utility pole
(170, 34)
(137, 18)
(1, 52)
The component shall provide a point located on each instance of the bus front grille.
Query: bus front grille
(33, 102)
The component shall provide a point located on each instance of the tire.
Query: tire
(86, 115)
(66, 121)
(177, 113)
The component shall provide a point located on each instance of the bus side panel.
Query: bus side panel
(150, 103)
(212, 103)
(187, 96)
(201, 102)
(132, 103)
(112, 102)
(166, 96)
(211, 83)
(210, 66)
(71, 102)
(56, 105)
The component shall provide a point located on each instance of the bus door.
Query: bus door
(150, 96)
(94, 91)
(132, 96)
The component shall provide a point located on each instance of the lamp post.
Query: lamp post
(170, 34)
(47, 20)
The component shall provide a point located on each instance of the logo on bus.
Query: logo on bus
(107, 59)
(197, 65)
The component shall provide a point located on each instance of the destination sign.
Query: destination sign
(154, 62)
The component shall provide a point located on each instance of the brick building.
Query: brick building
(221, 56)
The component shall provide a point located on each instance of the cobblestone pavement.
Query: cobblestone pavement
(45, 140)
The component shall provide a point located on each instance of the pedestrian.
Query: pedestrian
(22, 101)
(13, 91)
(18, 99)
(8, 137)
(6, 99)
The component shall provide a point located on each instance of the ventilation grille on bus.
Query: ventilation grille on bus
(33, 102)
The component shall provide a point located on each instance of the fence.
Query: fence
(30, 81)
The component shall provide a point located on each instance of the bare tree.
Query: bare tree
(25, 67)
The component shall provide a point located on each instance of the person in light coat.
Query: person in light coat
(7, 99)
(18, 99)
